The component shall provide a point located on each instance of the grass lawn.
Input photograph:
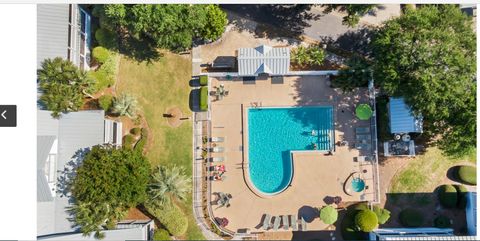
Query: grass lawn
(426, 172)
(159, 86)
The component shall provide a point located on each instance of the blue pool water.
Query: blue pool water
(274, 132)
(358, 184)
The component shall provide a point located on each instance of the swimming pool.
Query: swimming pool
(274, 132)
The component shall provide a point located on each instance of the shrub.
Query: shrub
(311, 55)
(143, 140)
(101, 54)
(128, 141)
(104, 76)
(366, 220)
(125, 105)
(447, 194)
(105, 102)
(356, 74)
(106, 38)
(171, 217)
(328, 215)
(203, 80)
(411, 218)
(161, 234)
(442, 222)
(347, 223)
(135, 131)
(462, 196)
(467, 174)
(383, 215)
(204, 98)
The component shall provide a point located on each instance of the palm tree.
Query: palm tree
(63, 85)
(125, 105)
(167, 184)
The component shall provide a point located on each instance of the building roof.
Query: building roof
(52, 31)
(471, 213)
(401, 118)
(73, 131)
(263, 59)
(140, 232)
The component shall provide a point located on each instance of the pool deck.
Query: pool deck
(316, 176)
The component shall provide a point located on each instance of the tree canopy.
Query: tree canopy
(353, 11)
(107, 182)
(63, 85)
(168, 26)
(428, 56)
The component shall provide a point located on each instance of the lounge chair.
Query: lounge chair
(293, 221)
(285, 222)
(217, 159)
(364, 137)
(363, 146)
(362, 130)
(217, 139)
(303, 225)
(218, 149)
(266, 222)
(276, 223)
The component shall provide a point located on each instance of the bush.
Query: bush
(467, 174)
(311, 55)
(161, 234)
(366, 220)
(447, 195)
(101, 54)
(143, 140)
(411, 218)
(106, 38)
(347, 223)
(128, 141)
(442, 222)
(171, 217)
(383, 215)
(135, 131)
(204, 98)
(105, 102)
(462, 196)
(104, 76)
(355, 75)
(203, 80)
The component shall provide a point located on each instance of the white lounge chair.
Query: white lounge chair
(217, 159)
(303, 225)
(276, 223)
(217, 139)
(293, 222)
(285, 223)
(218, 149)
(266, 222)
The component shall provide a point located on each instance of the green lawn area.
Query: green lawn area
(159, 86)
(426, 172)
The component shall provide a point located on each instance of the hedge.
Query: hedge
(161, 234)
(106, 38)
(411, 218)
(442, 222)
(143, 140)
(172, 218)
(105, 102)
(366, 220)
(203, 80)
(467, 174)
(128, 141)
(135, 131)
(101, 54)
(383, 215)
(204, 98)
(447, 195)
(462, 196)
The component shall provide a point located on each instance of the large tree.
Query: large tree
(107, 182)
(169, 26)
(428, 56)
(63, 86)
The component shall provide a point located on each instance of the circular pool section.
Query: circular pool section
(274, 132)
(358, 184)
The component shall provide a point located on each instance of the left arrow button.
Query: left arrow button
(8, 115)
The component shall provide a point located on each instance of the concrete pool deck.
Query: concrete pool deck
(316, 175)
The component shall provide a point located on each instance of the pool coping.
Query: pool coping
(245, 145)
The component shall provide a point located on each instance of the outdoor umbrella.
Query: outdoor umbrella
(328, 214)
(363, 111)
